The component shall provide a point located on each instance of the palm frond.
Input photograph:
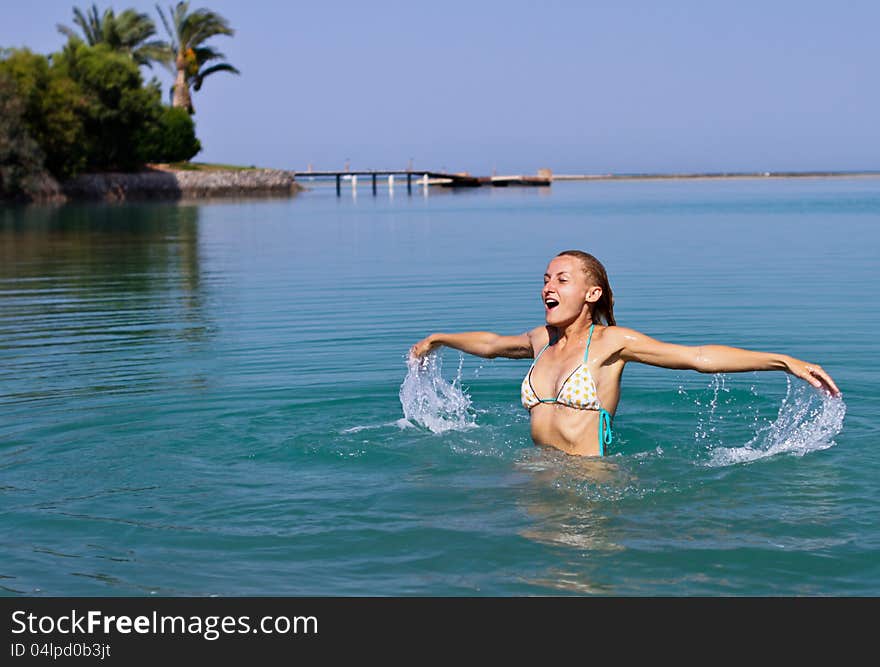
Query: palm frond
(204, 54)
(199, 78)
(201, 25)
(128, 32)
(133, 27)
(110, 32)
(89, 23)
(222, 67)
(154, 51)
(172, 34)
(68, 32)
(178, 17)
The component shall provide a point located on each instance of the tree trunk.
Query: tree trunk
(182, 98)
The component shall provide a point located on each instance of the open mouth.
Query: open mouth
(551, 303)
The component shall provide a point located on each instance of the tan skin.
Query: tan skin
(576, 431)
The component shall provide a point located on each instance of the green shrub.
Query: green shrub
(21, 160)
(118, 108)
(53, 107)
(172, 139)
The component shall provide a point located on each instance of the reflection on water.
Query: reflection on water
(97, 247)
(566, 501)
(86, 280)
(591, 478)
(572, 581)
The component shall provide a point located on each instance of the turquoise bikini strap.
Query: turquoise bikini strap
(589, 338)
(605, 434)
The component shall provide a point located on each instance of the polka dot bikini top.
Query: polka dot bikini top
(578, 391)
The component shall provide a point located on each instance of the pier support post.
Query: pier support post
(338, 185)
(374, 183)
(409, 184)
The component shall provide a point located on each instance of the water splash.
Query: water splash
(708, 419)
(430, 401)
(807, 422)
(721, 409)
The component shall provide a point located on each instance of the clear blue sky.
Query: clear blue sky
(616, 86)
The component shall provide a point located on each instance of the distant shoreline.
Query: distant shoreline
(204, 181)
(716, 175)
(169, 183)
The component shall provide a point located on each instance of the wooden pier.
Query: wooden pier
(426, 178)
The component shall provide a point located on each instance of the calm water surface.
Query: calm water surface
(204, 399)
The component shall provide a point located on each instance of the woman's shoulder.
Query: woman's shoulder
(540, 335)
(619, 335)
(542, 331)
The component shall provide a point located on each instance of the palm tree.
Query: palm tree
(128, 33)
(188, 54)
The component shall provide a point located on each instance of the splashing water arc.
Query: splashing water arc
(807, 422)
(430, 401)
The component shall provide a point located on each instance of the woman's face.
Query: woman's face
(566, 290)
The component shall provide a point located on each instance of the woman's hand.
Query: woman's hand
(423, 347)
(812, 373)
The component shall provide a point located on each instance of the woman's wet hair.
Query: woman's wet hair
(603, 309)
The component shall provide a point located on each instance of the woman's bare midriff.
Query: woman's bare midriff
(573, 431)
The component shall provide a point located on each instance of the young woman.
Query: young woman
(573, 386)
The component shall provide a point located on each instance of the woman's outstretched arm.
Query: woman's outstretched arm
(479, 343)
(636, 346)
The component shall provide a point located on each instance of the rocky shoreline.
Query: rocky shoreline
(169, 184)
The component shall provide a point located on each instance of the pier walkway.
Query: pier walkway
(426, 177)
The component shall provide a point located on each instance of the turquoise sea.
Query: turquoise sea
(213, 398)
